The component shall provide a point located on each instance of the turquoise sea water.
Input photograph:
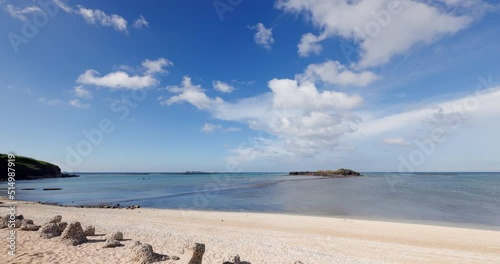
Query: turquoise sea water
(455, 198)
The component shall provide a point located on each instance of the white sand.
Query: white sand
(257, 238)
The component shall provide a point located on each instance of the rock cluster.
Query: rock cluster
(28, 225)
(50, 230)
(113, 240)
(340, 173)
(19, 222)
(110, 206)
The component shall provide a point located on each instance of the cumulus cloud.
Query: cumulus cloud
(263, 36)
(117, 80)
(332, 72)
(193, 94)
(81, 92)
(223, 87)
(156, 66)
(78, 104)
(310, 44)
(141, 22)
(289, 95)
(20, 13)
(123, 80)
(301, 119)
(395, 141)
(382, 28)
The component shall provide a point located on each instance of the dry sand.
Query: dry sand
(257, 238)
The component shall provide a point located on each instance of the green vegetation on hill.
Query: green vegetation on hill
(29, 168)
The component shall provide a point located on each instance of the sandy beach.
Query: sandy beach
(255, 237)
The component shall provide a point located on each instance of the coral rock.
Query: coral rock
(89, 231)
(56, 219)
(73, 234)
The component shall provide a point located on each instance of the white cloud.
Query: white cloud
(95, 16)
(395, 141)
(209, 128)
(263, 36)
(193, 94)
(382, 28)
(63, 6)
(141, 22)
(289, 95)
(81, 92)
(223, 87)
(443, 114)
(117, 80)
(156, 66)
(301, 119)
(332, 72)
(78, 104)
(309, 44)
(20, 13)
(123, 80)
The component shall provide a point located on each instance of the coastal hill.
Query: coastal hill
(340, 173)
(30, 169)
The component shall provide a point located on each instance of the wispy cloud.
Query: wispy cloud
(81, 92)
(223, 87)
(78, 104)
(332, 72)
(141, 22)
(96, 16)
(20, 13)
(50, 101)
(263, 36)
(209, 128)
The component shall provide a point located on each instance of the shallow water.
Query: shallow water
(460, 198)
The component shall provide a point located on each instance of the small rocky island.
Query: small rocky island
(340, 173)
(30, 169)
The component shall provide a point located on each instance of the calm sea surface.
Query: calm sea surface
(471, 199)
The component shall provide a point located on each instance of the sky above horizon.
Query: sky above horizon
(239, 85)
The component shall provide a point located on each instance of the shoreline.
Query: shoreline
(256, 237)
(119, 206)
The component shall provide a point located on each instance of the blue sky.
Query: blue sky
(252, 85)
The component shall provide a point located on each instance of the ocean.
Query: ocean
(458, 199)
